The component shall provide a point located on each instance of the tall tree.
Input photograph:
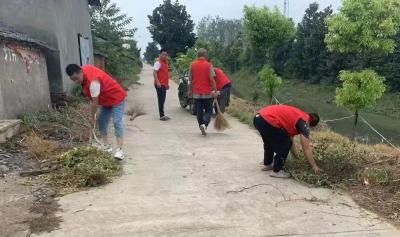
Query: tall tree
(364, 27)
(218, 29)
(266, 30)
(151, 53)
(114, 37)
(172, 27)
(309, 50)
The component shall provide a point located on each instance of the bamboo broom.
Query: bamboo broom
(220, 123)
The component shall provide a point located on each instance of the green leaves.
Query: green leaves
(360, 90)
(172, 27)
(364, 26)
(269, 80)
(266, 28)
(151, 53)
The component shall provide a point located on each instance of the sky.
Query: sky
(139, 9)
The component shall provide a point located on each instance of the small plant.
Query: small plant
(270, 81)
(360, 90)
(40, 149)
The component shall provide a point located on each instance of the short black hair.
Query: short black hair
(314, 119)
(163, 50)
(71, 69)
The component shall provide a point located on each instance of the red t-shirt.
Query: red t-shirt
(221, 79)
(285, 117)
(111, 93)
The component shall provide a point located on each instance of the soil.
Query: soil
(27, 205)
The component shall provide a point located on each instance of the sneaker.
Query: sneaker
(107, 148)
(281, 174)
(267, 168)
(119, 155)
(165, 118)
(203, 129)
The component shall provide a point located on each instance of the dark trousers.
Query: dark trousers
(276, 141)
(224, 98)
(203, 110)
(161, 95)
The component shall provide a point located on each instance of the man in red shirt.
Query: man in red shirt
(161, 81)
(278, 124)
(202, 89)
(223, 85)
(106, 93)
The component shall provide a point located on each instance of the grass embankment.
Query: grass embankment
(320, 98)
(58, 140)
(370, 173)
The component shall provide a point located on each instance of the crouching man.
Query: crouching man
(278, 124)
(106, 93)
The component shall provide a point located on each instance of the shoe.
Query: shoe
(119, 155)
(107, 148)
(203, 129)
(281, 174)
(165, 118)
(267, 168)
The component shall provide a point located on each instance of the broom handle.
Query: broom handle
(217, 105)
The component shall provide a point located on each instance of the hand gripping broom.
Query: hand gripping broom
(220, 123)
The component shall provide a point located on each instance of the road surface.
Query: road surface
(178, 183)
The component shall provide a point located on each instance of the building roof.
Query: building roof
(94, 3)
(7, 33)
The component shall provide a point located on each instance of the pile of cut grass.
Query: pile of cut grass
(84, 167)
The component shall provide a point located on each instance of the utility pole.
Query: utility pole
(286, 8)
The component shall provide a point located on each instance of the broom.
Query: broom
(220, 123)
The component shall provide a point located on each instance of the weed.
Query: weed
(40, 149)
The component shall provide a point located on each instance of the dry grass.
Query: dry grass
(39, 148)
(370, 173)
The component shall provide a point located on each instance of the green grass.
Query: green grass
(320, 98)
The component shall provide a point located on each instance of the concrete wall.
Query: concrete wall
(24, 86)
(56, 22)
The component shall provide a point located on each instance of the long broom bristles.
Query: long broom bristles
(220, 123)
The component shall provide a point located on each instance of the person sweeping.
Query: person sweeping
(106, 93)
(278, 124)
(202, 89)
(224, 86)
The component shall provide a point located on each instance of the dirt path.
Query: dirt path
(178, 183)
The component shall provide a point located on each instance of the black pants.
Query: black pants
(276, 141)
(203, 110)
(161, 95)
(224, 98)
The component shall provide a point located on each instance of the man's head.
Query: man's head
(75, 73)
(163, 54)
(202, 53)
(314, 119)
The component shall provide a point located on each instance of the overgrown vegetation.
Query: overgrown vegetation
(50, 137)
(369, 172)
(114, 37)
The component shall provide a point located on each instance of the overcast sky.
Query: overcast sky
(139, 9)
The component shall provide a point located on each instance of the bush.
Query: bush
(40, 149)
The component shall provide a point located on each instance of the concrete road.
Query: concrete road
(178, 183)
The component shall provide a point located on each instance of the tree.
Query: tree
(266, 29)
(360, 90)
(172, 28)
(363, 27)
(309, 50)
(270, 82)
(114, 37)
(151, 53)
(219, 30)
(183, 61)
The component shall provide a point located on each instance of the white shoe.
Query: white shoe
(281, 174)
(107, 148)
(119, 155)
(203, 129)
